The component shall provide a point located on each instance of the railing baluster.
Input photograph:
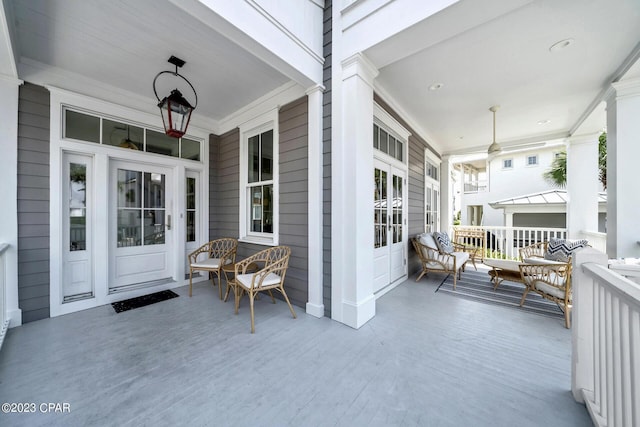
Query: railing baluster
(634, 338)
(626, 399)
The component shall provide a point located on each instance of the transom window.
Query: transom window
(384, 141)
(90, 128)
(432, 171)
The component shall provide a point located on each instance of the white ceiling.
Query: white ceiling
(126, 43)
(486, 58)
(506, 61)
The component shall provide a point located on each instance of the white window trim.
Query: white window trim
(433, 184)
(532, 165)
(507, 167)
(248, 129)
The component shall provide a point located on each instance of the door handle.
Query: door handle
(389, 221)
(168, 222)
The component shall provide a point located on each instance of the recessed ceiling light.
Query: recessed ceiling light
(544, 122)
(436, 86)
(561, 45)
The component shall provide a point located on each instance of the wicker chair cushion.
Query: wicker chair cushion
(461, 258)
(443, 242)
(210, 263)
(548, 289)
(542, 261)
(271, 279)
(561, 249)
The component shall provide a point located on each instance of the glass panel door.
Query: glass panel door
(77, 254)
(380, 208)
(140, 225)
(389, 219)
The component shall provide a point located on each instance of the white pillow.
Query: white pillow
(428, 240)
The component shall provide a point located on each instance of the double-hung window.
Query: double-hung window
(259, 180)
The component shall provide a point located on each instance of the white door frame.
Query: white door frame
(383, 257)
(102, 155)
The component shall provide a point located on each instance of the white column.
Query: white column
(582, 185)
(9, 193)
(315, 305)
(623, 152)
(446, 195)
(352, 298)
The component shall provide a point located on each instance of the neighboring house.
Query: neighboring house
(546, 209)
(299, 106)
(508, 175)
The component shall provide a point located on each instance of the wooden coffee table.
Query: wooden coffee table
(503, 269)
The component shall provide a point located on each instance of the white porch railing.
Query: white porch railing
(475, 186)
(505, 242)
(4, 319)
(596, 239)
(605, 341)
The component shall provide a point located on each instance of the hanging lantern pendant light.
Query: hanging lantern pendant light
(174, 108)
(494, 148)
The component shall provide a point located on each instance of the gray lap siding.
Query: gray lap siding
(293, 180)
(33, 202)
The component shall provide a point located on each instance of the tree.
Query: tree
(556, 175)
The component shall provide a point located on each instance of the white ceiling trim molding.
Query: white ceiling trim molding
(538, 141)
(283, 95)
(286, 31)
(606, 93)
(627, 88)
(52, 77)
(11, 79)
(257, 36)
(8, 49)
(413, 124)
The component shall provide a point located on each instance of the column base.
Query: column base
(14, 317)
(315, 310)
(357, 314)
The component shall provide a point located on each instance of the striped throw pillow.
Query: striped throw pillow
(561, 249)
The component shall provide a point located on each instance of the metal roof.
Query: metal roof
(542, 198)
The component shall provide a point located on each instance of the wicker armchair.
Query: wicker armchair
(535, 250)
(432, 259)
(552, 282)
(211, 257)
(270, 277)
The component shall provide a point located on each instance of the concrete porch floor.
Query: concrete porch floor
(426, 359)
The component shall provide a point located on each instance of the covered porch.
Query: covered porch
(426, 358)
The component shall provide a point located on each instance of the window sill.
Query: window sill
(256, 240)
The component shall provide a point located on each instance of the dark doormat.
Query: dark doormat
(130, 304)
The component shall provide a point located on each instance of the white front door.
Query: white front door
(390, 231)
(140, 229)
